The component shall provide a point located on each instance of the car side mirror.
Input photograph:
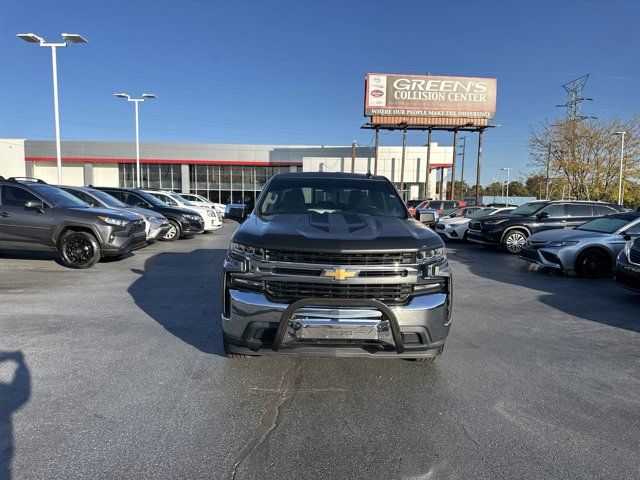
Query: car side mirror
(237, 212)
(453, 215)
(428, 217)
(34, 205)
(631, 235)
(542, 215)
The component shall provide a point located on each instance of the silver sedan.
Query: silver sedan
(589, 250)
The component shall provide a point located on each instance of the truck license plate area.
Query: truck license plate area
(338, 324)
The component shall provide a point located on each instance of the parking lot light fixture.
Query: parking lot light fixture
(136, 101)
(66, 38)
(621, 173)
(508, 170)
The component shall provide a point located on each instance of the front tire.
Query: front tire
(594, 263)
(513, 241)
(79, 250)
(173, 233)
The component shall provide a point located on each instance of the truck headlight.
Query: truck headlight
(113, 221)
(244, 251)
(429, 257)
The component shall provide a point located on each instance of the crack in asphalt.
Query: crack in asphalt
(269, 421)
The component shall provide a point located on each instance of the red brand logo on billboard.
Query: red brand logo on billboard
(428, 96)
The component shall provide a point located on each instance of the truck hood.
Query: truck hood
(335, 232)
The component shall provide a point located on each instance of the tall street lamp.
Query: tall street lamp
(145, 96)
(66, 38)
(508, 170)
(622, 134)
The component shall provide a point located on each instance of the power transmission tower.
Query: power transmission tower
(575, 98)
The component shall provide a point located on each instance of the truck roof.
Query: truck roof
(355, 176)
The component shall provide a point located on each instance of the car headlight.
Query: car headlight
(211, 213)
(245, 250)
(495, 222)
(195, 218)
(564, 243)
(429, 257)
(114, 221)
(627, 249)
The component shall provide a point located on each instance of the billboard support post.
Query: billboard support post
(453, 165)
(404, 148)
(464, 148)
(427, 186)
(478, 165)
(353, 156)
(442, 194)
(375, 162)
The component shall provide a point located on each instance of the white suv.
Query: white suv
(201, 201)
(455, 228)
(212, 220)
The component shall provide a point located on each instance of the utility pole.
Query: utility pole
(621, 174)
(453, 164)
(464, 147)
(574, 97)
(480, 132)
(353, 155)
(375, 162)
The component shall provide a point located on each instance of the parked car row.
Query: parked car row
(85, 224)
(588, 239)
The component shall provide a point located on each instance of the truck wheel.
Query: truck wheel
(79, 249)
(513, 241)
(173, 233)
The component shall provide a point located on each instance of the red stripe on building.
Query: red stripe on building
(254, 163)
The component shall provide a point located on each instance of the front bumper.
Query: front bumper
(485, 237)
(117, 241)
(255, 325)
(627, 274)
(191, 227)
(545, 257)
(452, 232)
(157, 230)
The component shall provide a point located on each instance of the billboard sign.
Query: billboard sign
(428, 96)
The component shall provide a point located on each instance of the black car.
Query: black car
(627, 270)
(183, 223)
(510, 230)
(38, 216)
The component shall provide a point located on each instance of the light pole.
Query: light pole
(66, 37)
(464, 148)
(508, 170)
(145, 96)
(622, 134)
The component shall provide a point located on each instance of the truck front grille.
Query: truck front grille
(634, 256)
(291, 291)
(394, 258)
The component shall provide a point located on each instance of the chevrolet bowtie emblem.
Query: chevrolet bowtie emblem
(340, 273)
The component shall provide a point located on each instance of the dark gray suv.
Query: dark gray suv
(38, 216)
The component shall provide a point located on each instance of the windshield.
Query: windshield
(107, 199)
(179, 199)
(59, 197)
(608, 224)
(150, 198)
(449, 211)
(330, 195)
(528, 208)
(481, 213)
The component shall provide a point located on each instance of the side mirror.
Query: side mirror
(237, 212)
(428, 217)
(453, 215)
(631, 235)
(34, 205)
(542, 215)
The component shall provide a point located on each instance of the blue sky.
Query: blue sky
(293, 71)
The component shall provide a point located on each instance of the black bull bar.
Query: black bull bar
(337, 302)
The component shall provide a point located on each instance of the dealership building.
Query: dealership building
(224, 173)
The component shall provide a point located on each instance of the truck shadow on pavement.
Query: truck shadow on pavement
(14, 393)
(180, 291)
(600, 301)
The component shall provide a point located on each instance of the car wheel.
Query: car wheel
(513, 241)
(173, 233)
(594, 263)
(79, 250)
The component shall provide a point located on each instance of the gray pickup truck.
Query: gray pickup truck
(333, 264)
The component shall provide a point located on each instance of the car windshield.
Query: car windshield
(608, 224)
(179, 199)
(150, 198)
(59, 197)
(528, 208)
(449, 211)
(330, 195)
(481, 213)
(107, 199)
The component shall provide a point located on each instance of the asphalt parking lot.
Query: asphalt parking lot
(123, 376)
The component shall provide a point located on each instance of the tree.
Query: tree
(517, 189)
(535, 185)
(496, 188)
(583, 157)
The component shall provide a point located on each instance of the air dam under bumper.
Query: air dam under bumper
(257, 326)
